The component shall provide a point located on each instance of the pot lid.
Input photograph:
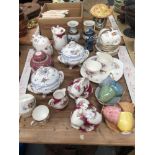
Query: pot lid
(73, 49)
(45, 76)
(39, 56)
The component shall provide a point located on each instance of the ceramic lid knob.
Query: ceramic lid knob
(39, 56)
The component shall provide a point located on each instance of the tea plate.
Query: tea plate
(112, 52)
(116, 72)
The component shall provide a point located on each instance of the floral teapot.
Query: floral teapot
(85, 116)
(42, 43)
(59, 37)
(80, 88)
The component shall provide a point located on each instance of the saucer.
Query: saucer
(112, 52)
(116, 72)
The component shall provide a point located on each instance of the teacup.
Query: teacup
(92, 66)
(105, 59)
(40, 115)
(59, 99)
(27, 103)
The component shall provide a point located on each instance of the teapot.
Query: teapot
(42, 43)
(80, 88)
(85, 116)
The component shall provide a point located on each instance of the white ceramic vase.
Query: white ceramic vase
(59, 37)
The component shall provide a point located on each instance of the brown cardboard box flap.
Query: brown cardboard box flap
(75, 13)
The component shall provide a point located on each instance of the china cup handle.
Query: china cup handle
(50, 102)
(29, 88)
(61, 76)
(33, 123)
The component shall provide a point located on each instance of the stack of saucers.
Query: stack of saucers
(108, 41)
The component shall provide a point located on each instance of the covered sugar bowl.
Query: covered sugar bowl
(45, 80)
(73, 54)
(40, 59)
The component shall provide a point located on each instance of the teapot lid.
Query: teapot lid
(72, 48)
(39, 56)
(45, 76)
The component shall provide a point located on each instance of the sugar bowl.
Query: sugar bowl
(40, 59)
(73, 54)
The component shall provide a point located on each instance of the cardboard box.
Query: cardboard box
(75, 13)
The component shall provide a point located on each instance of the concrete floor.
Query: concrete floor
(38, 149)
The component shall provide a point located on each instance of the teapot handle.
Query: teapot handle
(103, 30)
(61, 76)
(29, 88)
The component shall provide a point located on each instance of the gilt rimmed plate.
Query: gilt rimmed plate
(116, 72)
